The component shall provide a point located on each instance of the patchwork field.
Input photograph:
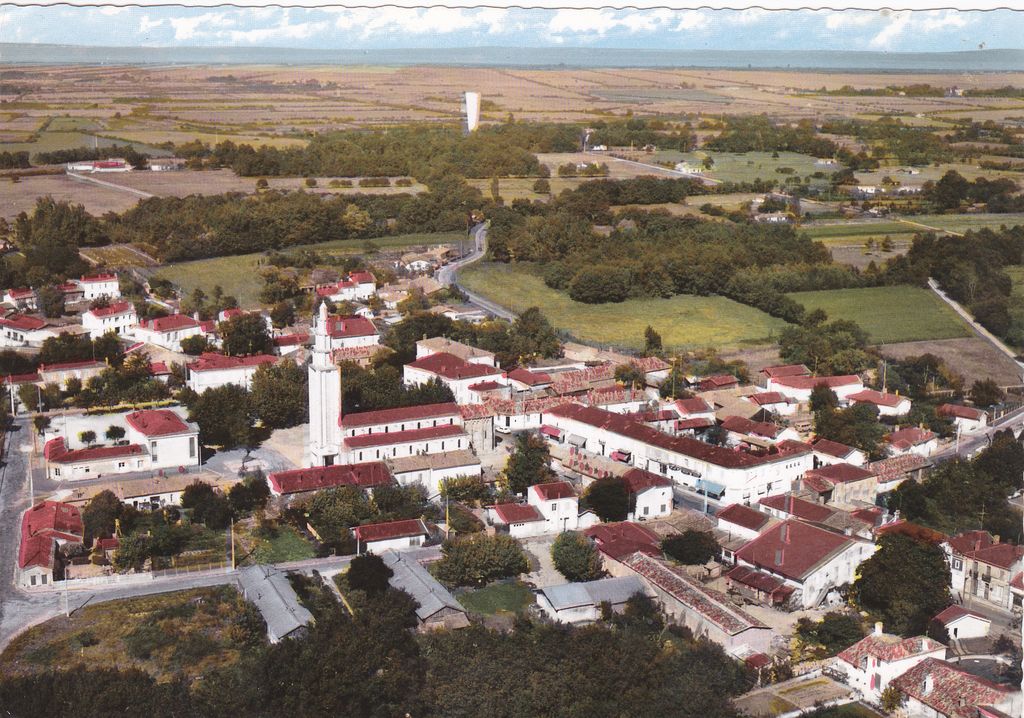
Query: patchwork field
(683, 321)
(889, 314)
(21, 196)
(972, 357)
(239, 275)
(187, 632)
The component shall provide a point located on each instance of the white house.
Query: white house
(742, 521)
(405, 418)
(937, 689)
(154, 439)
(650, 495)
(810, 559)
(395, 535)
(118, 317)
(433, 440)
(558, 504)
(456, 373)
(912, 440)
(44, 527)
(832, 452)
(799, 388)
(581, 602)
(741, 430)
(731, 475)
(520, 520)
(431, 471)
(886, 403)
(21, 298)
(774, 402)
(99, 285)
(167, 332)
(356, 287)
(21, 330)
(214, 370)
(876, 660)
(352, 331)
(967, 420)
(961, 623)
(60, 374)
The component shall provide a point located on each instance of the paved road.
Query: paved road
(978, 329)
(970, 443)
(694, 501)
(446, 275)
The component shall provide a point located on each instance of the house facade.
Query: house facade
(118, 317)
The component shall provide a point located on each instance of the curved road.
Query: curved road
(446, 275)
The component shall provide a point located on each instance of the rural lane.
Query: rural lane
(446, 275)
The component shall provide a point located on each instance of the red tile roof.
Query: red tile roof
(833, 448)
(171, 323)
(517, 513)
(365, 475)
(793, 506)
(22, 379)
(1001, 555)
(90, 278)
(912, 530)
(693, 406)
(697, 423)
(718, 381)
(452, 367)
(391, 530)
(364, 441)
(968, 541)
(156, 422)
(22, 322)
(530, 378)
(209, 361)
(896, 467)
(954, 692)
(870, 396)
(115, 308)
(350, 326)
(740, 425)
(793, 549)
(290, 340)
(70, 365)
(624, 538)
(768, 397)
(624, 426)
(158, 368)
(486, 386)
(760, 581)
(95, 453)
(840, 473)
(910, 437)
(21, 292)
(638, 481)
(405, 413)
(744, 516)
(554, 490)
(954, 613)
(809, 382)
(774, 372)
(888, 648)
(960, 412)
(40, 525)
(363, 277)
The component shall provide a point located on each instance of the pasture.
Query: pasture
(684, 321)
(889, 314)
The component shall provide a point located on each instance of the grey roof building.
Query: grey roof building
(436, 605)
(580, 602)
(269, 589)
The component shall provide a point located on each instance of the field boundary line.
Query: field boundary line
(931, 229)
(110, 185)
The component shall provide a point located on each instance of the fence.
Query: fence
(197, 568)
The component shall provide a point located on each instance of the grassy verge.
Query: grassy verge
(683, 321)
(286, 544)
(186, 632)
(239, 275)
(498, 598)
(889, 314)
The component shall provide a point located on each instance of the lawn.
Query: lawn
(498, 598)
(116, 255)
(683, 321)
(238, 275)
(286, 544)
(190, 632)
(746, 166)
(964, 222)
(50, 141)
(846, 230)
(889, 314)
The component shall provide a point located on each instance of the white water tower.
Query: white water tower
(472, 111)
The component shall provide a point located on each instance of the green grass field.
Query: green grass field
(683, 321)
(889, 314)
(746, 166)
(498, 598)
(847, 230)
(239, 276)
(964, 222)
(286, 545)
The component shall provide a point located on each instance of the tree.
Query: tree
(905, 605)
(652, 342)
(249, 494)
(950, 191)
(542, 186)
(833, 633)
(100, 516)
(608, 498)
(576, 557)
(224, 415)
(823, 398)
(132, 552)
(334, 511)
(207, 505)
(51, 301)
(114, 433)
(262, 183)
(533, 336)
(630, 376)
(477, 559)
(195, 345)
(368, 572)
(496, 189)
(87, 437)
(985, 392)
(41, 423)
(693, 548)
(282, 314)
(279, 395)
(245, 334)
(529, 464)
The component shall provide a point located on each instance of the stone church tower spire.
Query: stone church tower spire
(324, 396)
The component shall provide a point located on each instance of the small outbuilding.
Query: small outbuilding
(581, 602)
(269, 589)
(961, 623)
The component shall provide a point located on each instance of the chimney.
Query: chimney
(929, 683)
(785, 532)
(977, 544)
(995, 538)
(878, 628)
(779, 554)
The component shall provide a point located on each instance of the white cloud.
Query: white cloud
(111, 10)
(850, 18)
(411, 21)
(601, 22)
(941, 20)
(145, 24)
(750, 16)
(897, 25)
(691, 20)
(187, 28)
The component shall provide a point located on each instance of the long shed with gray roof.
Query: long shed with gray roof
(270, 590)
(435, 603)
(581, 602)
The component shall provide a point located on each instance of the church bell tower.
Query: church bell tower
(324, 396)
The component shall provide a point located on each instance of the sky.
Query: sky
(396, 27)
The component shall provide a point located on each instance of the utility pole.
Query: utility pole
(232, 544)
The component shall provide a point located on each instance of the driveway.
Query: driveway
(544, 572)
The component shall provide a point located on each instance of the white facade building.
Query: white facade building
(24, 331)
(167, 332)
(394, 535)
(451, 370)
(99, 285)
(799, 388)
(876, 660)
(886, 403)
(210, 370)
(357, 287)
(119, 318)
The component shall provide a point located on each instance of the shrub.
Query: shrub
(691, 547)
(369, 573)
(576, 557)
(477, 559)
